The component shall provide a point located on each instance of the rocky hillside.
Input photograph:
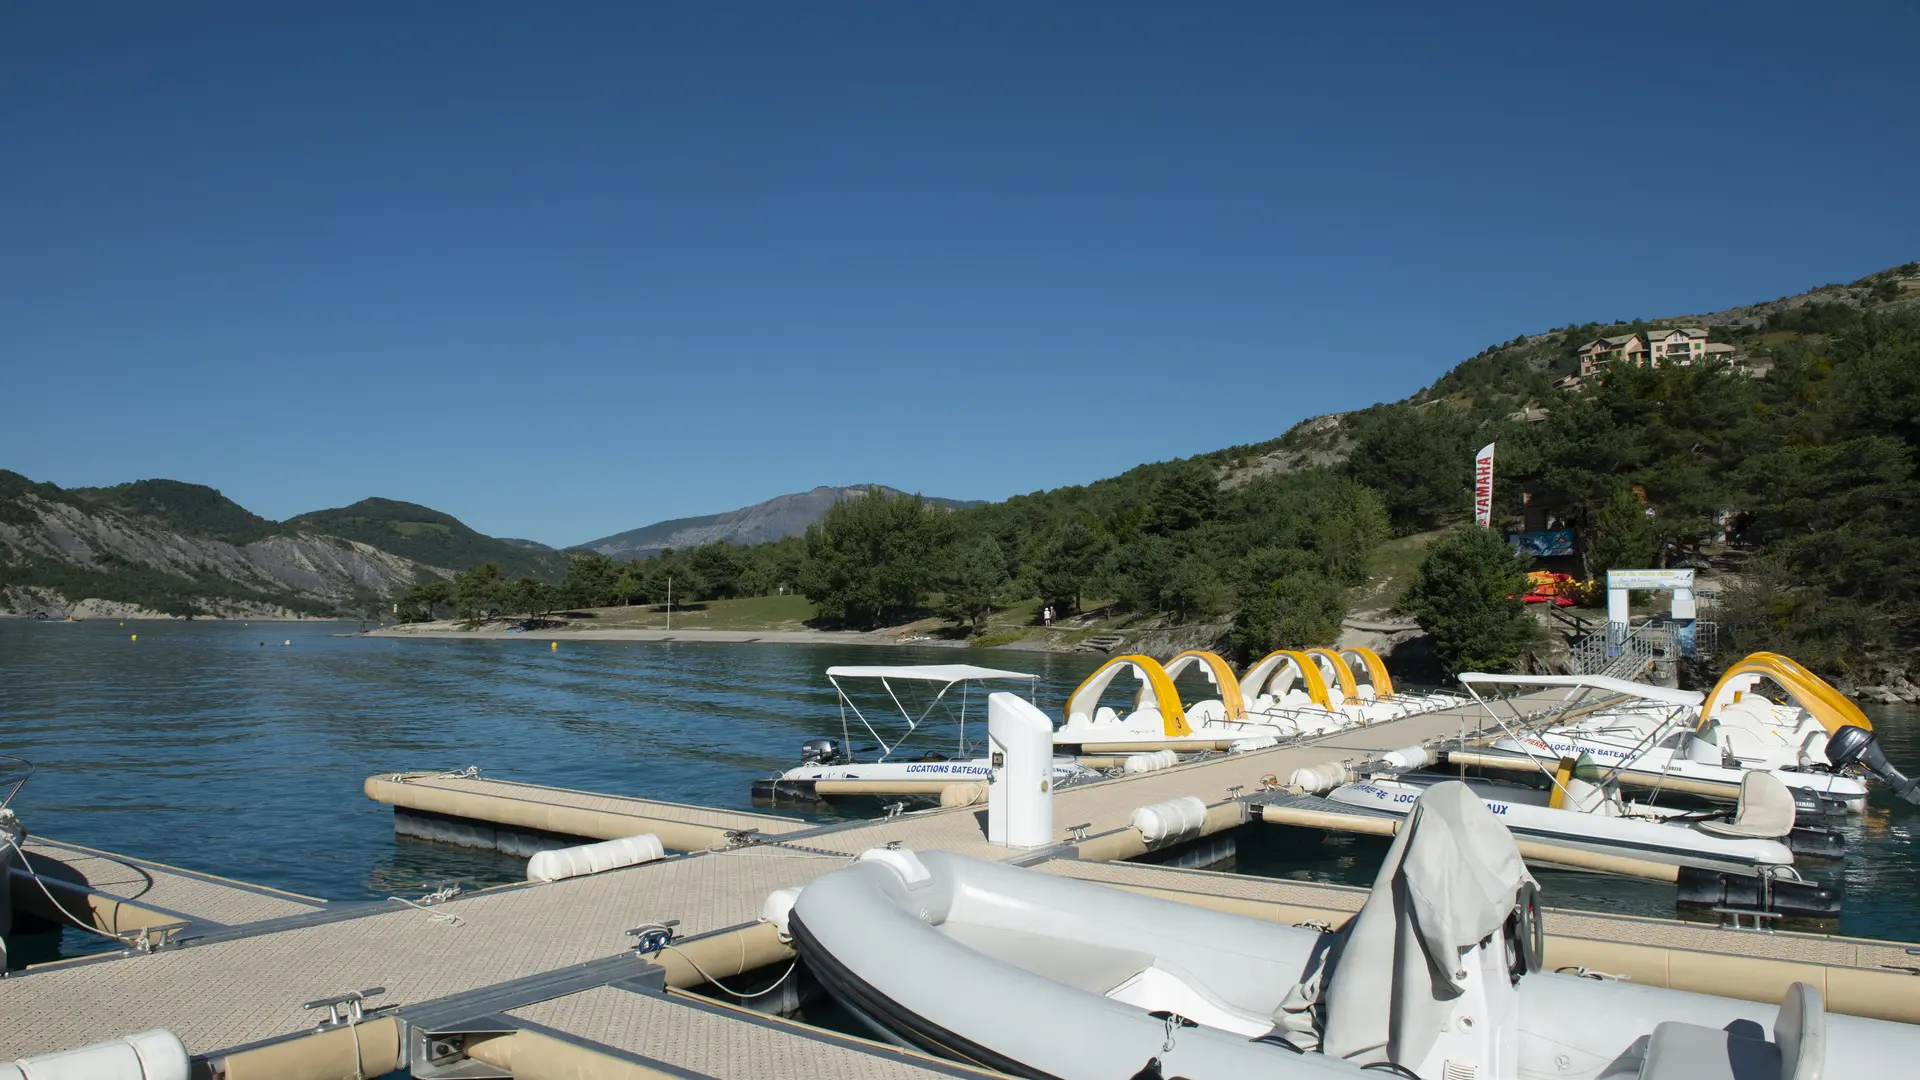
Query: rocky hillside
(775, 519)
(162, 547)
(428, 536)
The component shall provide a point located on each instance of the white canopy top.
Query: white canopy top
(1597, 682)
(946, 673)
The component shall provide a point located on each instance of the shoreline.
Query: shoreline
(737, 637)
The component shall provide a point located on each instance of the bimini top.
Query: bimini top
(1596, 682)
(946, 673)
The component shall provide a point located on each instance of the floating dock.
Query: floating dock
(534, 980)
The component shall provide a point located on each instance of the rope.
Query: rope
(128, 940)
(695, 964)
(471, 772)
(438, 896)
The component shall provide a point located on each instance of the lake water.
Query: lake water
(215, 746)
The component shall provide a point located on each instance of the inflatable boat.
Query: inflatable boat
(1438, 977)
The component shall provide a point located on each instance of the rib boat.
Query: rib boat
(1438, 977)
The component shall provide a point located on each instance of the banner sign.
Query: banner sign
(1542, 545)
(1649, 579)
(1483, 487)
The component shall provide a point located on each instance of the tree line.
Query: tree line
(1808, 471)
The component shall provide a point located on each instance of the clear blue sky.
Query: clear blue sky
(562, 270)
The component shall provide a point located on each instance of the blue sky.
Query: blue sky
(562, 270)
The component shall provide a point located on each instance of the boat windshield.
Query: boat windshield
(940, 680)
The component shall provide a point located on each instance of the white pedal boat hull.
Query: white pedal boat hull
(1635, 755)
(1674, 844)
(1037, 975)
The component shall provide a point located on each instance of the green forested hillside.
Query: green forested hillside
(1795, 443)
(428, 536)
(192, 509)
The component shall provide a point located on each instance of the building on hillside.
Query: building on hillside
(1597, 355)
(1681, 345)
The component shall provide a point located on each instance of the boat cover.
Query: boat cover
(1449, 881)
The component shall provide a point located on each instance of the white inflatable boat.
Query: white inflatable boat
(959, 694)
(1438, 977)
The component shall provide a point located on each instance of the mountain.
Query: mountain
(775, 519)
(178, 549)
(428, 536)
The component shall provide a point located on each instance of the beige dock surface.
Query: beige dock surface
(728, 1044)
(532, 804)
(225, 993)
(200, 898)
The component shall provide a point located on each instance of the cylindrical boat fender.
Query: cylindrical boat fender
(1315, 779)
(147, 1055)
(964, 794)
(778, 908)
(562, 863)
(1409, 757)
(1257, 742)
(1170, 821)
(1135, 764)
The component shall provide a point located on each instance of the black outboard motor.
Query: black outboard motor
(820, 752)
(1853, 744)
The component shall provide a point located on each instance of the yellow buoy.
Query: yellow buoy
(123, 622)
(135, 637)
(289, 641)
(553, 644)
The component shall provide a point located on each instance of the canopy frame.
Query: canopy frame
(1579, 686)
(948, 675)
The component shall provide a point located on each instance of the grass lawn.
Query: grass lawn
(747, 613)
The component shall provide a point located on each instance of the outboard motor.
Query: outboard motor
(1853, 744)
(820, 752)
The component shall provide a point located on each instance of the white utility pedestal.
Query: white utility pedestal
(1020, 791)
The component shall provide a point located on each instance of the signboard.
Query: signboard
(1649, 579)
(1483, 487)
(1542, 545)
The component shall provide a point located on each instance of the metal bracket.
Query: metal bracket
(1078, 833)
(650, 939)
(348, 1008)
(1234, 791)
(1730, 919)
(151, 939)
(442, 1055)
(895, 809)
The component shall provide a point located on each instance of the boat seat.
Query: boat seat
(1765, 810)
(1093, 968)
(1677, 1051)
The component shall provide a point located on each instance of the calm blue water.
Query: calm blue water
(216, 747)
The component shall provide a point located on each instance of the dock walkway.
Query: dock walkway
(554, 960)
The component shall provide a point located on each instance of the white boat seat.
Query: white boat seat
(1093, 968)
(1677, 1051)
(1765, 810)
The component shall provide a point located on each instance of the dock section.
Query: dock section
(464, 808)
(116, 894)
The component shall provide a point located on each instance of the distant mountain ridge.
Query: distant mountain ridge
(428, 536)
(166, 547)
(775, 519)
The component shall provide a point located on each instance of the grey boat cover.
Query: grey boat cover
(1449, 881)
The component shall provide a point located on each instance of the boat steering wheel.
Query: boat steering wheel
(1526, 935)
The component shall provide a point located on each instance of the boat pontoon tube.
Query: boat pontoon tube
(1077, 980)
